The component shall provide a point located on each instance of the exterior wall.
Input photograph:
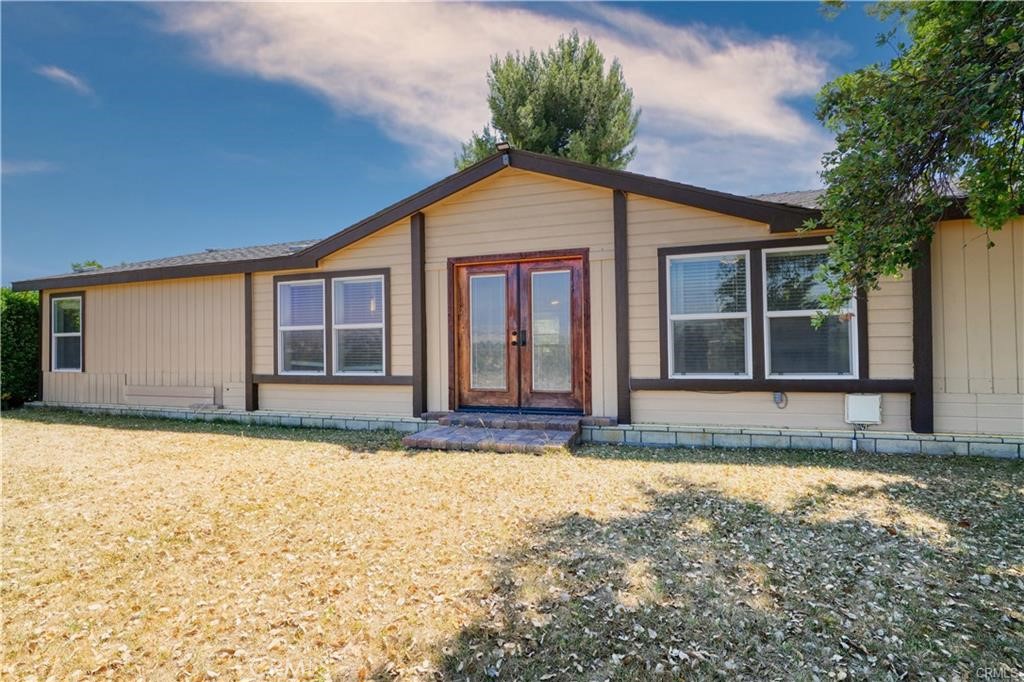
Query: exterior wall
(165, 333)
(653, 224)
(388, 248)
(393, 401)
(978, 328)
(757, 409)
(515, 211)
(891, 329)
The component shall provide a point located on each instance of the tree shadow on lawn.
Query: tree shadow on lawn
(356, 440)
(705, 586)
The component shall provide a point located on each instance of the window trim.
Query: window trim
(80, 295)
(849, 309)
(672, 317)
(759, 381)
(281, 329)
(382, 325)
(327, 376)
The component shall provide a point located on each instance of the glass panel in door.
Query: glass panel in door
(487, 333)
(551, 331)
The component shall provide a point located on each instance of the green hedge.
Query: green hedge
(19, 346)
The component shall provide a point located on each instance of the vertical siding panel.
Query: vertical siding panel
(938, 315)
(1016, 229)
(979, 331)
(955, 306)
(1002, 313)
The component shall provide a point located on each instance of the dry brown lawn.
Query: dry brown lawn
(158, 550)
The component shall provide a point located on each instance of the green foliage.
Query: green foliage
(86, 265)
(945, 115)
(561, 102)
(19, 346)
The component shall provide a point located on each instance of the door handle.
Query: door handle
(515, 338)
(522, 337)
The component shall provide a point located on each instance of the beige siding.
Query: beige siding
(978, 323)
(803, 411)
(891, 329)
(167, 333)
(654, 224)
(388, 248)
(390, 401)
(511, 212)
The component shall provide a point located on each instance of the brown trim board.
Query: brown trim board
(417, 241)
(326, 277)
(922, 401)
(779, 217)
(342, 379)
(621, 254)
(794, 385)
(249, 389)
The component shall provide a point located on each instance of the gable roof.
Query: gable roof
(779, 216)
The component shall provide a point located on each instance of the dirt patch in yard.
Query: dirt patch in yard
(167, 550)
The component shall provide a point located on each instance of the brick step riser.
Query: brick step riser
(510, 422)
(493, 440)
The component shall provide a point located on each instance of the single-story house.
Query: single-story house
(528, 283)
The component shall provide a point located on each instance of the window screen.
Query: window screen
(708, 315)
(792, 301)
(300, 327)
(359, 325)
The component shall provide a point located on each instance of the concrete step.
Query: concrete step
(507, 420)
(537, 441)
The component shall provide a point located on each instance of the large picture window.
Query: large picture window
(794, 348)
(66, 333)
(358, 325)
(300, 316)
(709, 315)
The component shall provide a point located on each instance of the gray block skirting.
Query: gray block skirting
(902, 443)
(260, 417)
(1003, 447)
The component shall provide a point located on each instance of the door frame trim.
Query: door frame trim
(532, 256)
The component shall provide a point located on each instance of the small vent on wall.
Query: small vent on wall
(863, 408)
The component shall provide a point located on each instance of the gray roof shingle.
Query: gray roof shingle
(233, 255)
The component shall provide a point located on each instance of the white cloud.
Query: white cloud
(65, 78)
(715, 107)
(27, 167)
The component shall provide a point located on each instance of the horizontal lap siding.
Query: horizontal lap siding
(390, 401)
(178, 332)
(388, 248)
(891, 329)
(757, 409)
(978, 324)
(654, 224)
(511, 212)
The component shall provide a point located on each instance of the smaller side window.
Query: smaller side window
(358, 325)
(66, 333)
(300, 327)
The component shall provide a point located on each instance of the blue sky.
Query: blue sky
(139, 131)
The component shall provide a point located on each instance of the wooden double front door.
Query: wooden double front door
(520, 333)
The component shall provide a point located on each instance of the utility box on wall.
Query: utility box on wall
(863, 408)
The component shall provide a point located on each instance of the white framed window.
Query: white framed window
(794, 348)
(359, 334)
(300, 327)
(66, 333)
(708, 311)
